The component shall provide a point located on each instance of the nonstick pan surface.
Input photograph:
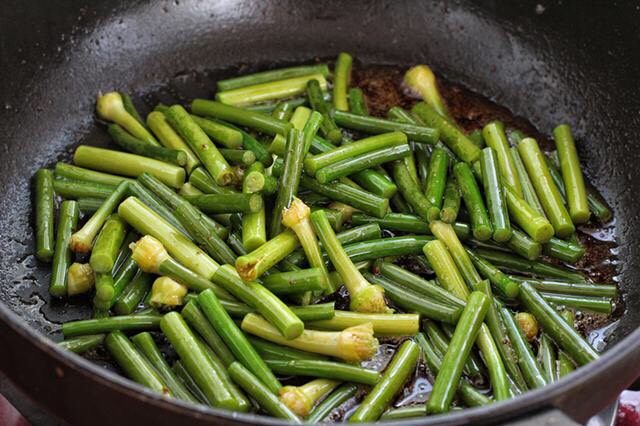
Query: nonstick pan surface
(552, 62)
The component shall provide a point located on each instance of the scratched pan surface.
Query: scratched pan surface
(554, 62)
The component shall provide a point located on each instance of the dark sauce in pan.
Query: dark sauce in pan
(383, 89)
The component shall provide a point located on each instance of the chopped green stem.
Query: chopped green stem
(335, 217)
(272, 75)
(133, 294)
(496, 202)
(565, 363)
(184, 376)
(62, 256)
(422, 80)
(341, 80)
(546, 189)
(295, 282)
(361, 162)
(417, 284)
(528, 191)
(571, 174)
(271, 351)
(567, 251)
(498, 332)
(269, 91)
(301, 399)
(44, 200)
(360, 199)
(226, 203)
(375, 182)
(105, 293)
(457, 141)
(467, 330)
(383, 324)
(518, 264)
(157, 122)
(136, 146)
(261, 299)
(357, 102)
(203, 234)
(415, 302)
(106, 325)
(445, 269)
(363, 296)
(352, 344)
(440, 341)
(520, 243)
(316, 162)
(505, 286)
(436, 181)
(167, 293)
(410, 190)
(111, 107)
(263, 395)
(403, 222)
(197, 320)
(147, 222)
(89, 205)
(334, 400)
(531, 221)
(254, 226)
(571, 288)
(496, 139)
(147, 346)
(256, 263)
(134, 364)
(192, 354)
(236, 341)
(283, 110)
(241, 117)
(202, 180)
(73, 189)
(401, 367)
(317, 102)
(405, 412)
(127, 102)
(585, 303)
(394, 246)
(298, 120)
(477, 138)
(289, 179)
(122, 163)
(150, 200)
(530, 369)
(71, 172)
(554, 325)
(547, 357)
(480, 223)
(80, 278)
(82, 344)
(451, 201)
(225, 135)
(238, 156)
(445, 233)
(325, 369)
(375, 125)
(201, 145)
(107, 244)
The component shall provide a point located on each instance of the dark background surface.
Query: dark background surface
(549, 61)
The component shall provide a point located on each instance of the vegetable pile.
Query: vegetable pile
(227, 229)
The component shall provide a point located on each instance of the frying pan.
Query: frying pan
(558, 61)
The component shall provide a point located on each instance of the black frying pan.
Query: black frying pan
(571, 61)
